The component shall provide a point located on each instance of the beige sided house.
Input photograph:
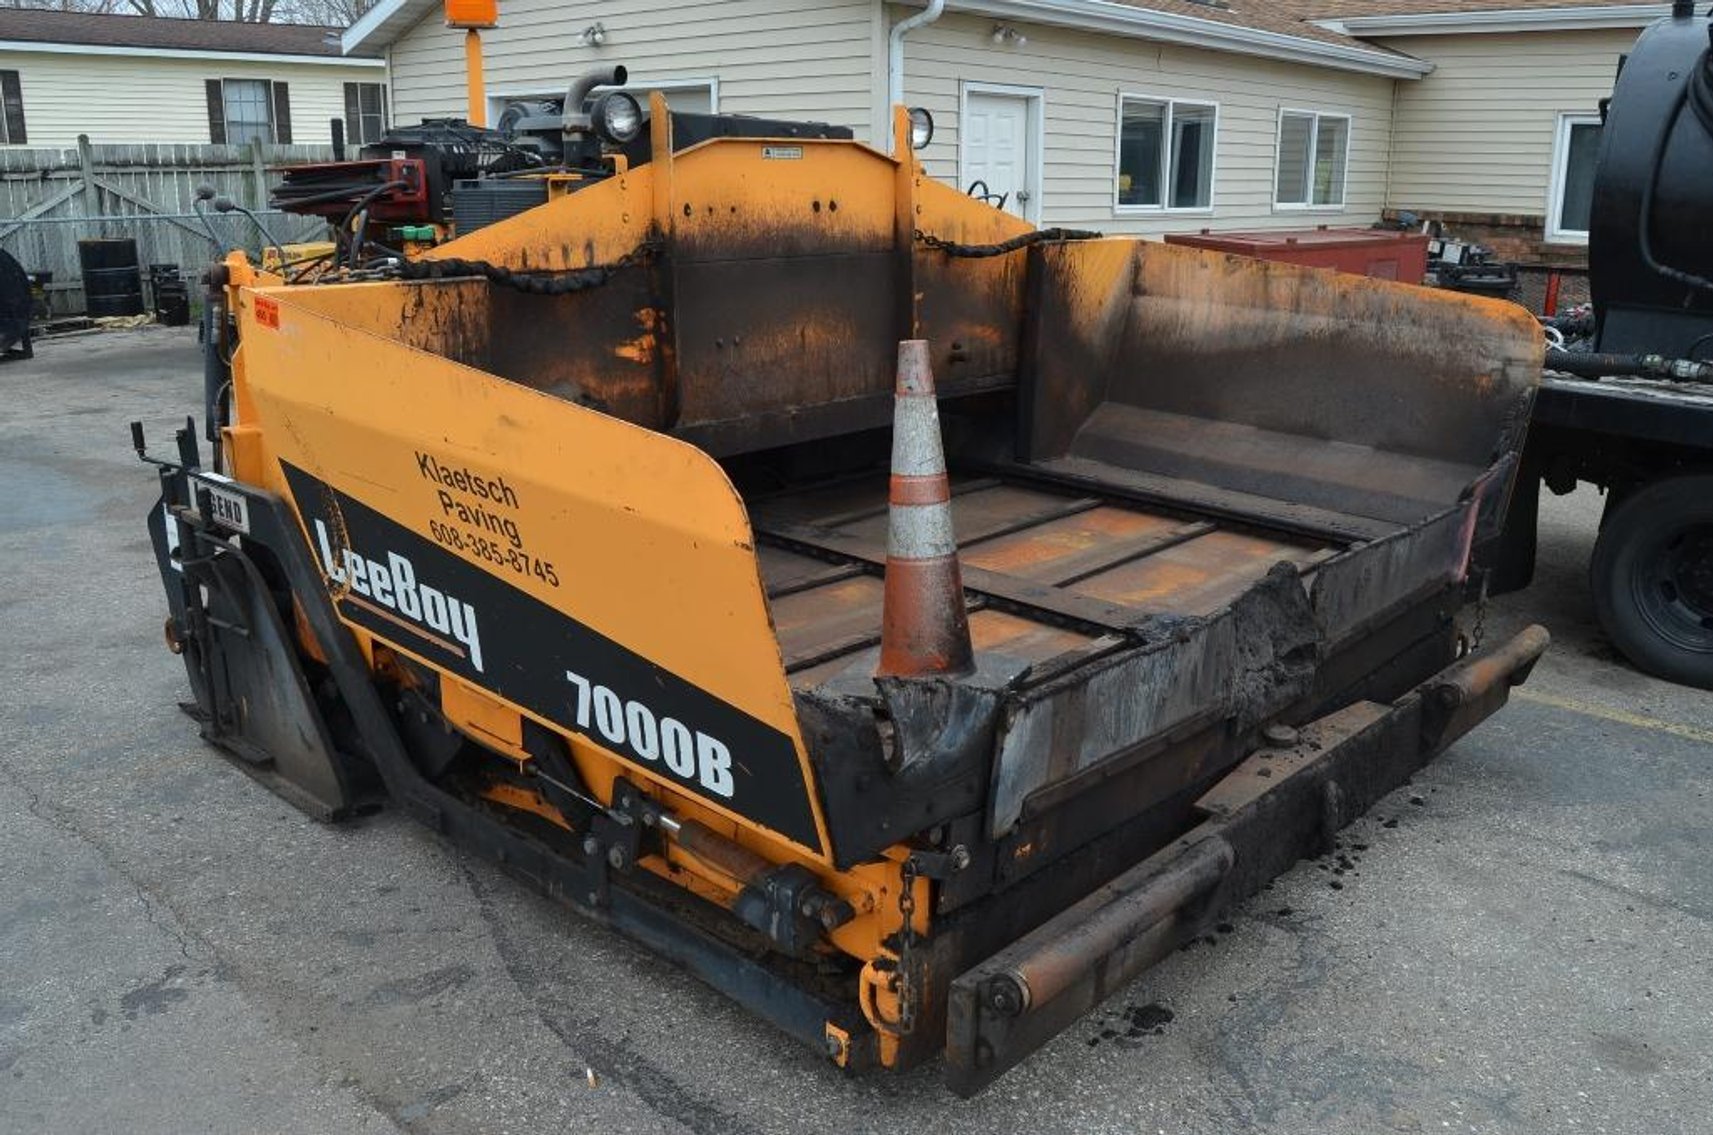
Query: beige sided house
(1499, 138)
(143, 79)
(1138, 116)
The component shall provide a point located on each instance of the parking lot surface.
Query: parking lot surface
(1523, 941)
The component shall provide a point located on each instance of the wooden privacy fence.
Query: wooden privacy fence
(51, 199)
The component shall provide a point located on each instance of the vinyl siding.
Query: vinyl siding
(1476, 135)
(1082, 74)
(133, 99)
(782, 58)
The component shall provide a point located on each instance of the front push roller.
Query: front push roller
(1281, 804)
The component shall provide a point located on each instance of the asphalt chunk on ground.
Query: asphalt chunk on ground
(1527, 951)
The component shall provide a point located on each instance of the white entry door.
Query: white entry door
(998, 148)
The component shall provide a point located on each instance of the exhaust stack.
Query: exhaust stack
(924, 628)
(572, 117)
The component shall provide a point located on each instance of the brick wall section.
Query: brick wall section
(1514, 237)
(1520, 239)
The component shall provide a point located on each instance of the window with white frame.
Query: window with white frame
(1165, 153)
(249, 111)
(365, 113)
(1314, 152)
(1571, 198)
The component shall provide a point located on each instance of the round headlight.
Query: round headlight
(617, 117)
(921, 127)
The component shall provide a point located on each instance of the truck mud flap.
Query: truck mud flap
(1274, 808)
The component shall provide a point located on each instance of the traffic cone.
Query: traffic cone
(924, 628)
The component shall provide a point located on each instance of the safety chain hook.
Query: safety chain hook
(908, 875)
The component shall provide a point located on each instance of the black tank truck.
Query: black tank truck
(1627, 402)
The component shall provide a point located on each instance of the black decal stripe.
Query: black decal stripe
(527, 646)
(347, 601)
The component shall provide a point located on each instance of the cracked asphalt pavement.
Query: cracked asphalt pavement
(1520, 941)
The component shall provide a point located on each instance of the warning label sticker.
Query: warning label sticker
(268, 312)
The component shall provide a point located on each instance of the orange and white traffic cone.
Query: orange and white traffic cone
(924, 628)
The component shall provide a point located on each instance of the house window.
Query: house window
(1314, 151)
(1571, 198)
(249, 113)
(241, 111)
(365, 113)
(11, 110)
(1165, 153)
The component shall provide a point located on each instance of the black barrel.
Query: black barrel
(14, 308)
(112, 281)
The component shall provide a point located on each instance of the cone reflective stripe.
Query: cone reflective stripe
(924, 628)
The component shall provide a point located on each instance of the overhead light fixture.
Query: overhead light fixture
(1004, 35)
(594, 35)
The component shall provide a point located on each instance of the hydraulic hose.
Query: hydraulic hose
(1590, 365)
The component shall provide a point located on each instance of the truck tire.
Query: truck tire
(1652, 576)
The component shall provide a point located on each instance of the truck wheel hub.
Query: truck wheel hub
(1684, 586)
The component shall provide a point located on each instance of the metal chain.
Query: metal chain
(1480, 627)
(1022, 240)
(535, 283)
(908, 875)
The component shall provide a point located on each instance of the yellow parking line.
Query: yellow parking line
(1622, 717)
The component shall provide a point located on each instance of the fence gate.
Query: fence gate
(51, 199)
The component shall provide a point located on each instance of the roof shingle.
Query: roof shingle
(98, 30)
(1263, 15)
(1296, 17)
(1335, 9)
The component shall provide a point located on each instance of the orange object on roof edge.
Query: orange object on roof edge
(472, 13)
